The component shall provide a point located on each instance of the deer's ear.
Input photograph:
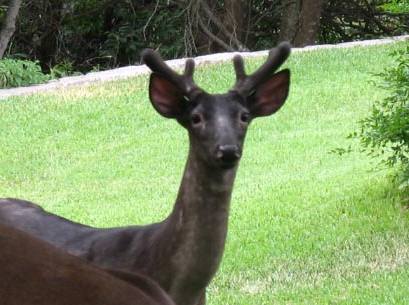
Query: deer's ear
(270, 95)
(165, 97)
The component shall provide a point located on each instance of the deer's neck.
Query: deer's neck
(198, 222)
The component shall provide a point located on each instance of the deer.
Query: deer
(33, 272)
(183, 252)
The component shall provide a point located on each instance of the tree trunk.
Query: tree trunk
(9, 25)
(235, 21)
(300, 21)
(309, 23)
(290, 20)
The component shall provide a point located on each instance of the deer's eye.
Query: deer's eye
(245, 117)
(196, 119)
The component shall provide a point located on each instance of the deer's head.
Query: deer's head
(217, 123)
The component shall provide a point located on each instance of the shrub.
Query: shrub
(16, 73)
(385, 132)
(396, 6)
(63, 69)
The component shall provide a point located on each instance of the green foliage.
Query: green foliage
(15, 73)
(396, 6)
(345, 20)
(107, 34)
(65, 68)
(385, 132)
(3, 10)
(146, 26)
(92, 33)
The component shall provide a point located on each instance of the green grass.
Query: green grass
(306, 226)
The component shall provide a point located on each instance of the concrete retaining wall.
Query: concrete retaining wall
(132, 71)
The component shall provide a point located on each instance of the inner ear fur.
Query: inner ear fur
(271, 94)
(165, 96)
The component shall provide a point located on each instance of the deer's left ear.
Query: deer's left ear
(270, 95)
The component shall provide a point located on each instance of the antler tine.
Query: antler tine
(188, 76)
(239, 67)
(276, 57)
(185, 82)
(189, 68)
(156, 64)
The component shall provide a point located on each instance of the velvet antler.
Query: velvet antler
(245, 84)
(184, 82)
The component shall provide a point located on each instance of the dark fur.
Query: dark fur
(33, 272)
(183, 252)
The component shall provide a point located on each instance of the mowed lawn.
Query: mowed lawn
(306, 226)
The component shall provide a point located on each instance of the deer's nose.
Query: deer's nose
(228, 153)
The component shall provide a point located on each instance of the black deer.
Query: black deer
(33, 272)
(183, 252)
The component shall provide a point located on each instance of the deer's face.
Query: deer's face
(217, 124)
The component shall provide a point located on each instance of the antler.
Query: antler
(184, 82)
(245, 84)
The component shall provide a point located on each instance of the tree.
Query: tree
(289, 20)
(216, 25)
(83, 34)
(9, 25)
(309, 23)
(300, 22)
(346, 20)
(235, 23)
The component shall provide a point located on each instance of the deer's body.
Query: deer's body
(32, 272)
(183, 252)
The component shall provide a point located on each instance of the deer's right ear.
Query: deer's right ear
(165, 97)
